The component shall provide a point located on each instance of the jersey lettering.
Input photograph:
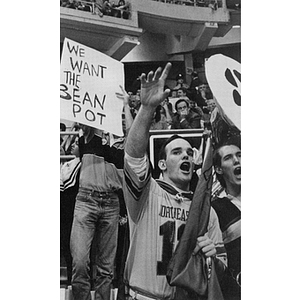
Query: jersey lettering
(173, 213)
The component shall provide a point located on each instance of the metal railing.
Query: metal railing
(94, 8)
(198, 3)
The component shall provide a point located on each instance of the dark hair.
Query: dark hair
(158, 113)
(194, 74)
(217, 163)
(162, 151)
(183, 89)
(181, 100)
(209, 94)
(234, 140)
(72, 139)
(63, 127)
(76, 127)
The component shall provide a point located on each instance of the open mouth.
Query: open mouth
(185, 166)
(237, 171)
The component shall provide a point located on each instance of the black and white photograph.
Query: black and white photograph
(148, 94)
(150, 150)
(148, 97)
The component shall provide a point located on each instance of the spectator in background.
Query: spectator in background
(213, 4)
(168, 107)
(121, 9)
(84, 6)
(160, 119)
(208, 112)
(107, 8)
(71, 4)
(181, 93)
(192, 91)
(173, 94)
(202, 95)
(184, 117)
(195, 108)
(135, 104)
(99, 7)
(180, 82)
(63, 3)
(138, 96)
(132, 105)
(210, 105)
(195, 80)
(69, 140)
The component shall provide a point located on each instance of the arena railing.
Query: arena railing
(93, 6)
(198, 3)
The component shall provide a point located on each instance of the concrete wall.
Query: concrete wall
(151, 48)
(232, 37)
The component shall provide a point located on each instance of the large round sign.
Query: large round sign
(224, 78)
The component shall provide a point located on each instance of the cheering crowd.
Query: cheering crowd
(120, 227)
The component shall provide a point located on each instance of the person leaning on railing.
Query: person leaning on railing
(99, 7)
(120, 10)
(85, 5)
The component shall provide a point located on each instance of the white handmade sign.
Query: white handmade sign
(224, 78)
(89, 80)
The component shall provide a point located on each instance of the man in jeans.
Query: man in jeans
(96, 215)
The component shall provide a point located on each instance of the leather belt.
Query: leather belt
(97, 194)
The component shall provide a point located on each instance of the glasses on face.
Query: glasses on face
(202, 87)
(182, 108)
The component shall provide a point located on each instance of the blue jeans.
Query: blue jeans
(95, 216)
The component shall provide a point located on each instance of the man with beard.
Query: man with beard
(158, 209)
(227, 163)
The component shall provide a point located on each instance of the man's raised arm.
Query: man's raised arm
(152, 94)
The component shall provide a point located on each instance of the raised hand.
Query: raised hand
(124, 96)
(152, 94)
(152, 87)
